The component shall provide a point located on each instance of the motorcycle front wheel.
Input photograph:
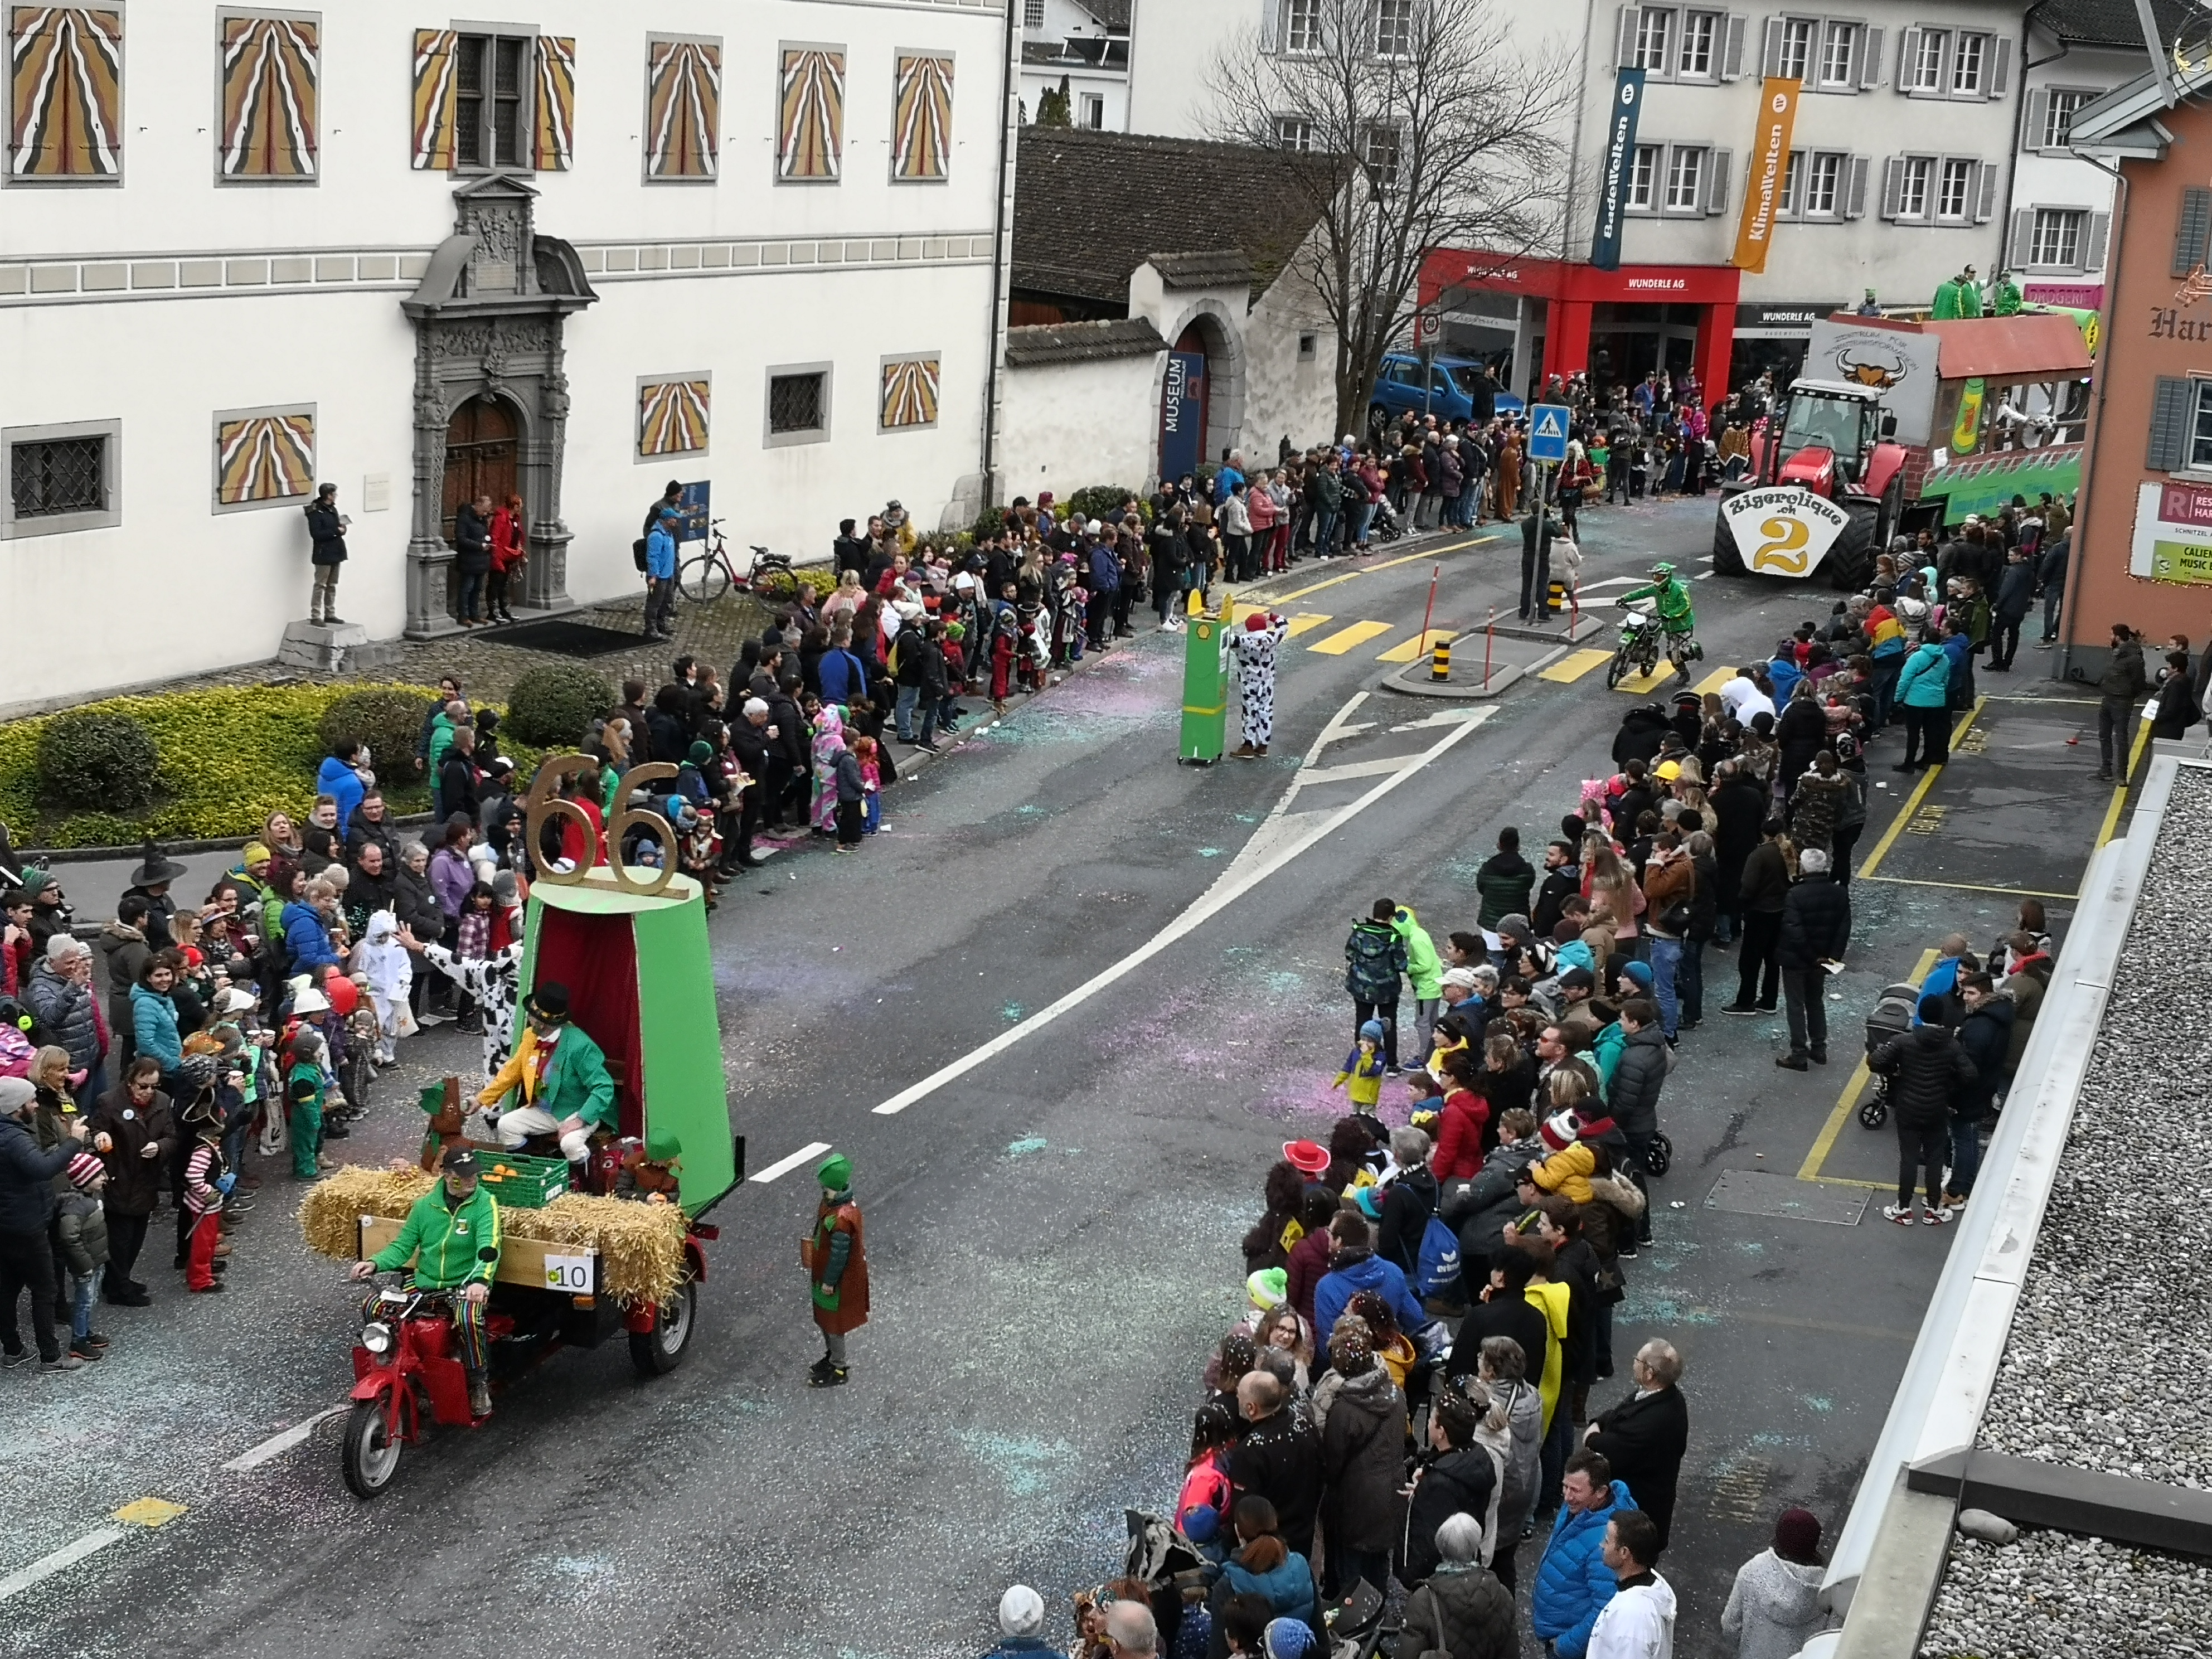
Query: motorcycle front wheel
(369, 1454)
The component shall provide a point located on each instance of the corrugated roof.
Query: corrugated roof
(2006, 348)
(1076, 343)
(1091, 207)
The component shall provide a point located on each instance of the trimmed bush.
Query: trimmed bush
(554, 704)
(106, 762)
(1097, 501)
(386, 719)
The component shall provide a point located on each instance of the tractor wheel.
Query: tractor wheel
(1850, 560)
(1727, 557)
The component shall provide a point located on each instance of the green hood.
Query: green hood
(1423, 966)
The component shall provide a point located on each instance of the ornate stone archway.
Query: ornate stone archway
(489, 315)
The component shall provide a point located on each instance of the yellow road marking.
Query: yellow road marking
(1345, 638)
(2120, 791)
(1969, 887)
(1305, 622)
(1572, 666)
(1419, 646)
(1919, 794)
(1645, 683)
(1406, 558)
(149, 1512)
(1849, 1100)
(1714, 681)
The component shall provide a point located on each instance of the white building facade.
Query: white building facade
(1085, 44)
(561, 251)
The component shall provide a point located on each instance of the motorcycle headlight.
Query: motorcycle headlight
(376, 1336)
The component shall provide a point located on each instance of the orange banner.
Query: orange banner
(1765, 177)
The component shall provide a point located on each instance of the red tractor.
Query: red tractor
(1837, 442)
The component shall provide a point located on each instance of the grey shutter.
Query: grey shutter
(1770, 53)
(2192, 229)
(1624, 39)
(2000, 80)
(1732, 47)
(1985, 192)
(2039, 116)
(2023, 238)
(1908, 49)
(1716, 180)
(1271, 24)
(2172, 412)
(1892, 185)
(1855, 188)
(2101, 231)
(1870, 59)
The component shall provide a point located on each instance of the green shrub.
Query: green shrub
(103, 761)
(386, 719)
(822, 577)
(989, 523)
(1098, 500)
(555, 702)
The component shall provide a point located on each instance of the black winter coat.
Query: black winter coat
(1816, 922)
(1456, 1483)
(1465, 1612)
(27, 1178)
(1645, 1440)
(1633, 1100)
(329, 534)
(1986, 1035)
(414, 905)
(1641, 730)
(1280, 1459)
(1508, 1313)
(1929, 1070)
(1764, 884)
(1408, 1203)
(1363, 1456)
(134, 1181)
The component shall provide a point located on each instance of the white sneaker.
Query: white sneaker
(1900, 1213)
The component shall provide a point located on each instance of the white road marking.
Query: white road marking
(1702, 575)
(1224, 894)
(1445, 717)
(1610, 581)
(278, 1444)
(784, 1166)
(1367, 768)
(68, 1556)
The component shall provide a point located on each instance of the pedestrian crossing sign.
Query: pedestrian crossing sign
(1547, 433)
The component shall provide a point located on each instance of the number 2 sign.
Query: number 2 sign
(1783, 529)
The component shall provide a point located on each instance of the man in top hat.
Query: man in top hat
(150, 881)
(837, 1269)
(452, 1235)
(560, 1076)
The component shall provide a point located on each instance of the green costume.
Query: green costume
(1970, 298)
(1946, 307)
(441, 739)
(306, 1094)
(1676, 614)
(2008, 303)
(453, 1242)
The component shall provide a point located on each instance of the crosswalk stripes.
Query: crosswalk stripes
(1572, 666)
(1418, 646)
(1344, 641)
(1350, 639)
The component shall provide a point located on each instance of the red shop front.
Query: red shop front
(1621, 323)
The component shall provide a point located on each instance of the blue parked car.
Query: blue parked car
(1447, 395)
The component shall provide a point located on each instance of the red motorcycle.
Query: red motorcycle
(404, 1366)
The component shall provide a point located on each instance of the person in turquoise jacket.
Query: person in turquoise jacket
(1424, 969)
(1573, 1582)
(154, 1017)
(1923, 694)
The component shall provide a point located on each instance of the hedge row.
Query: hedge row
(225, 759)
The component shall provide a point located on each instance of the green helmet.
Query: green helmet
(1662, 571)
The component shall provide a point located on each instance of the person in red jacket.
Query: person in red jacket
(1458, 1156)
(1309, 1259)
(508, 552)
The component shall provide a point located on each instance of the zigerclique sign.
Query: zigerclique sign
(1783, 529)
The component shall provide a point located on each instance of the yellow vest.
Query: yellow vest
(1551, 1301)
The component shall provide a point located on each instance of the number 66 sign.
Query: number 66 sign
(1783, 529)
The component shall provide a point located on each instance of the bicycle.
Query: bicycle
(706, 576)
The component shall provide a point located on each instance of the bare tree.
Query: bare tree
(1411, 124)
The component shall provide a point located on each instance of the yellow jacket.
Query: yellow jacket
(1566, 1173)
(1551, 1300)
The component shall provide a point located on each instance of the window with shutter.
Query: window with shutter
(1854, 191)
(2174, 408)
(1985, 194)
(268, 110)
(2023, 229)
(1270, 26)
(1892, 185)
(2100, 234)
(1770, 53)
(2191, 230)
(2001, 69)
(1908, 54)
(682, 107)
(2032, 130)
(1624, 39)
(1870, 60)
(1732, 46)
(66, 122)
(1716, 182)
(432, 148)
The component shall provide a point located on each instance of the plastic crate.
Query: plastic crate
(520, 1179)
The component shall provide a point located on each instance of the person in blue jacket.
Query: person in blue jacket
(154, 1030)
(1262, 1564)
(1353, 1267)
(307, 933)
(340, 779)
(1573, 1582)
(1923, 693)
(661, 576)
(1104, 581)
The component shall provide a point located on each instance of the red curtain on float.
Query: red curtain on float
(596, 958)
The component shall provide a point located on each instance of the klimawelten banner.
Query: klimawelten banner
(1620, 166)
(1768, 172)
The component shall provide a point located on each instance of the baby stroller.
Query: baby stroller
(1891, 1017)
(1386, 524)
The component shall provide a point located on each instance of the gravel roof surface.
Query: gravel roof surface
(2051, 1593)
(2104, 1369)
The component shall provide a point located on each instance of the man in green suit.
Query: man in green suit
(560, 1076)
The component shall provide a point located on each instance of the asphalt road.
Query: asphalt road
(1054, 1231)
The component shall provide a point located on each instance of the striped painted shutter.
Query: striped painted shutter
(270, 109)
(810, 114)
(2191, 230)
(683, 108)
(922, 133)
(2174, 411)
(553, 146)
(433, 108)
(65, 103)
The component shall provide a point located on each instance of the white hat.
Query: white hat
(1462, 977)
(311, 1001)
(1021, 1612)
(237, 999)
(1812, 861)
(1093, 527)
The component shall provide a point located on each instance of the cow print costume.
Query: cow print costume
(491, 980)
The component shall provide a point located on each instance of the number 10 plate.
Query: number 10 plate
(572, 1274)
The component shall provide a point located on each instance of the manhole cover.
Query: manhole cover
(1758, 1192)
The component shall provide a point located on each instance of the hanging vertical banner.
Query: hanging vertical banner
(1770, 172)
(1620, 166)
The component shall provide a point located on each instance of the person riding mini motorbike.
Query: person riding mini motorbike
(1671, 598)
(451, 1234)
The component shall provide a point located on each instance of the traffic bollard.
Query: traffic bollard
(1489, 639)
(1440, 662)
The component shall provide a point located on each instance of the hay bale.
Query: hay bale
(641, 1246)
(330, 1215)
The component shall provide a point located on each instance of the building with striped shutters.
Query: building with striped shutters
(563, 251)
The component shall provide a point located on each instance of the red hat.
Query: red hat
(1309, 1157)
(85, 1168)
(1561, 1130)
(1256, 622)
